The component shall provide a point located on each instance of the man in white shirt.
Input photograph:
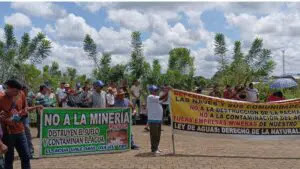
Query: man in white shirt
(155, 115)
(252, 93)
(135, 92)
(99, 95)
(110, 97)
(60, 94)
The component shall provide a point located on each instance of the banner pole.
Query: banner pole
(171, 116)
(173, 142)
(41, 114)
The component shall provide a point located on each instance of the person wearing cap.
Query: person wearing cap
(99, 95)
(12, 108)
(110, 97)
(155, 115)
(121, 101)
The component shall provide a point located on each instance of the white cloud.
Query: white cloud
(34, 31)
(162, 22)
(69, 56)
(50, 31)
(252, 8)
(18, 20)
(279, 31)
(115, 42)
(46, 10)
(73, 28)
(95, 6)
(155, 46)
(130, 19)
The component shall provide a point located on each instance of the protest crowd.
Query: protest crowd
(17, 102)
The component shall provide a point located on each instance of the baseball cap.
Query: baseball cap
(99, 83)
(67, 85)
(153, 88)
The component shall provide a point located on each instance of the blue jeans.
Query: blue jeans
(28, 135)
(132, 141)
(19, 142)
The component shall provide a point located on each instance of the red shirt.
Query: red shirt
(274, 98)
(9, 126)
(227, 94)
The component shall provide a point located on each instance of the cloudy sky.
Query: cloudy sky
(164, 25)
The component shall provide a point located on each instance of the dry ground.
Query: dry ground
(191, 153)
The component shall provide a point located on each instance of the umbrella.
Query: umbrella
(283, 83)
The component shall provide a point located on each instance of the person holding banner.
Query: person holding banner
(276, 96)
(60, 94)
(155, 116)
(215, 92)
(252, 94)
(110, 97)
(228, 94)
(121, 101)
(12, 109)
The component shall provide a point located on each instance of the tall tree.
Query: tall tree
(259, 60)
(137, 58)
(220, 51)
(54, 69)
(105, 67)
(117, 73)
(90, 47)
(238, 68)
(32, 76)
(14, 55)
(181, 69)
(71, 72)
(256, 65)
(156, 72)
(180, 59)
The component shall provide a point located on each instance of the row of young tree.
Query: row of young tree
(242, 68)
(19, 60)
(180, 72)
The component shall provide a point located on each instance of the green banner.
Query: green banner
(66, 132)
